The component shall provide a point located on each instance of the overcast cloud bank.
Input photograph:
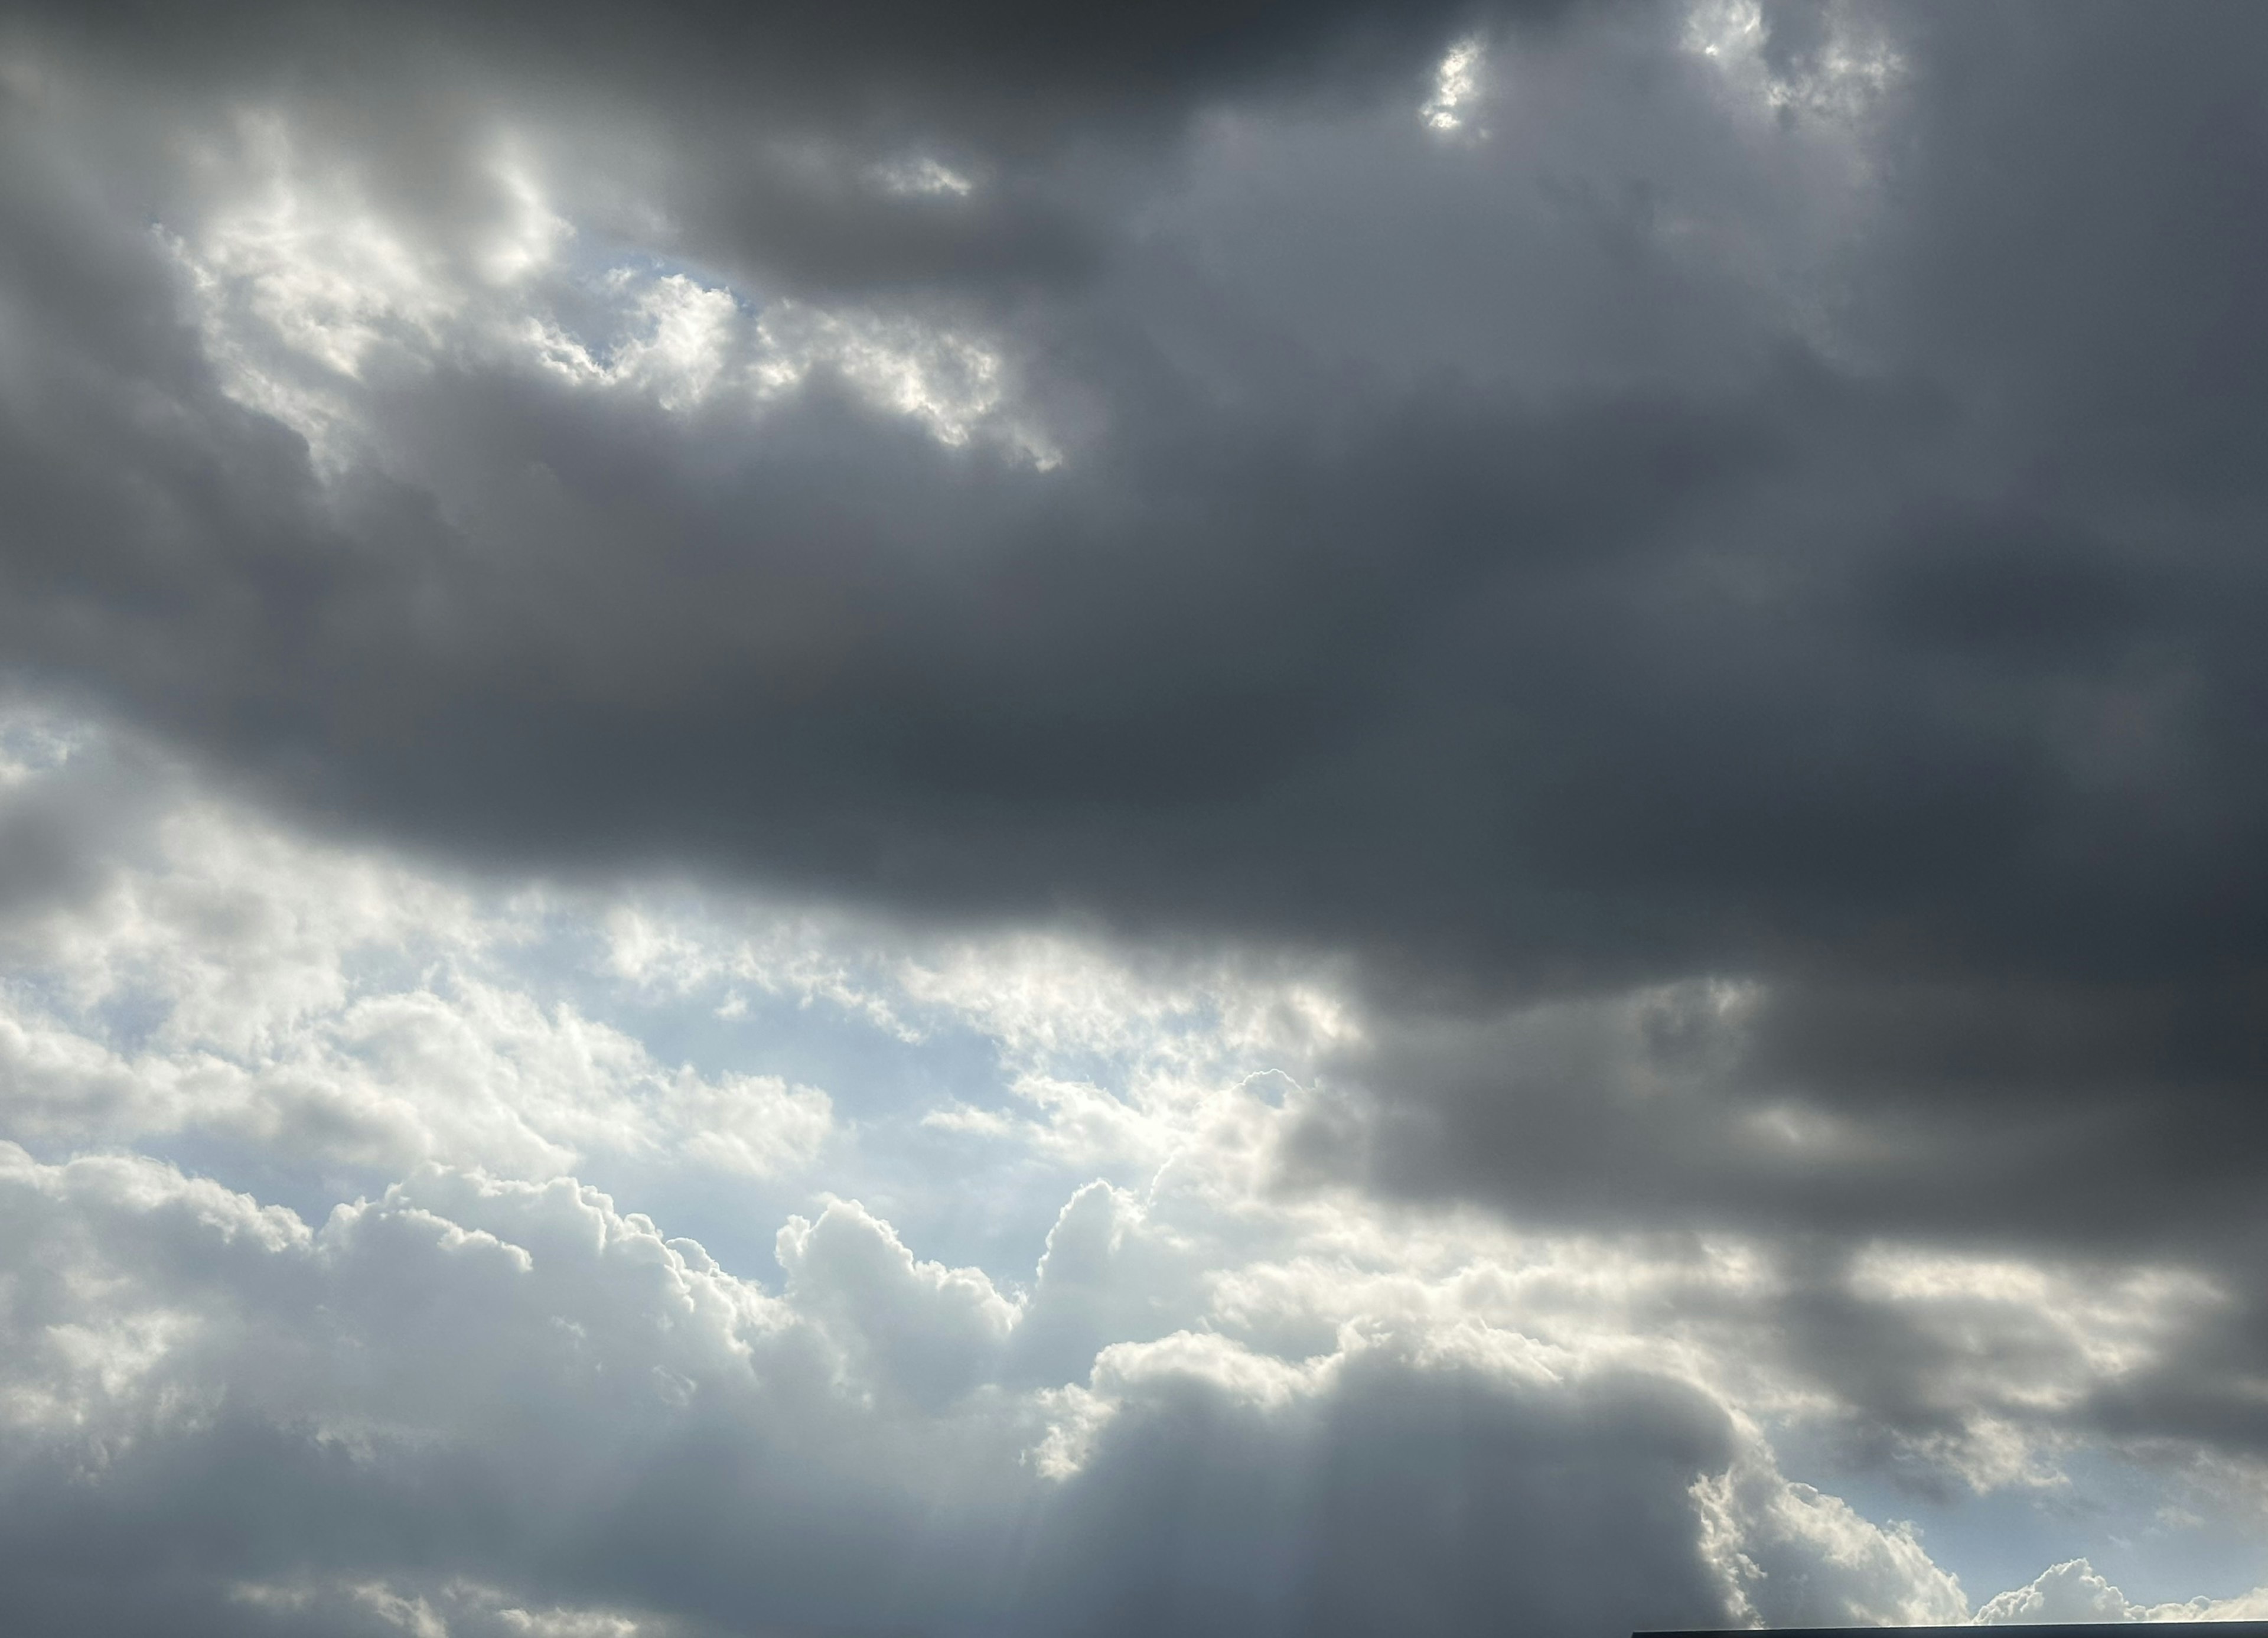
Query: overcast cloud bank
(1252, 819)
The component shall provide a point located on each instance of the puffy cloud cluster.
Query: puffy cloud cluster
(210, 975)
(1221, 1393)
(471, 1380)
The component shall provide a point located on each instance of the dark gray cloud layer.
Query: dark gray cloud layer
(1204, 1517)
(898, 60)
(1718, 575)
(1623, 551)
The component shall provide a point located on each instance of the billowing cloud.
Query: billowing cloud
(1265, 818)
(1416, 568)
(484, 1395)
(470, 1379)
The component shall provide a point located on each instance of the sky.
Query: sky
(1080, 822)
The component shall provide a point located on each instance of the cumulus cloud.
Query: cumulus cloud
(568, 1387)
(1790, 1556)
(1089, 819)
(2075, 1592)
(1222, 1312)
(212, 975)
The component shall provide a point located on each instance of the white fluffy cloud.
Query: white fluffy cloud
(590, 1379)
(214, 975)
(2073, 1591)
(1351, 1392)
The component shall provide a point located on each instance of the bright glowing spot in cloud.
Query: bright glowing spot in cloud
(946, 381)
(1725, 29)
(1847, 69)
(305, 295)
(532, 234)
(922, 174)
(1456, 87)
(460, 1608)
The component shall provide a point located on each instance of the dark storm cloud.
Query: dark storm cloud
(1395, 1504)
(1501, 577)
(1437, 1499)
(998, 64)
(2092, 1113)
(2080, 1127)
(770, 107)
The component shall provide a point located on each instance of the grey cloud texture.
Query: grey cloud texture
(485, 1395)
(1637, 621)
(456, 1391)
(280, 1425)
(1776, 618)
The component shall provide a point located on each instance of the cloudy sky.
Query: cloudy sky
(1245, 818)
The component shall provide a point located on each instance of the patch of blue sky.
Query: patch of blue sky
(956, 1195)
(2148, 1528)
(587, 287)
